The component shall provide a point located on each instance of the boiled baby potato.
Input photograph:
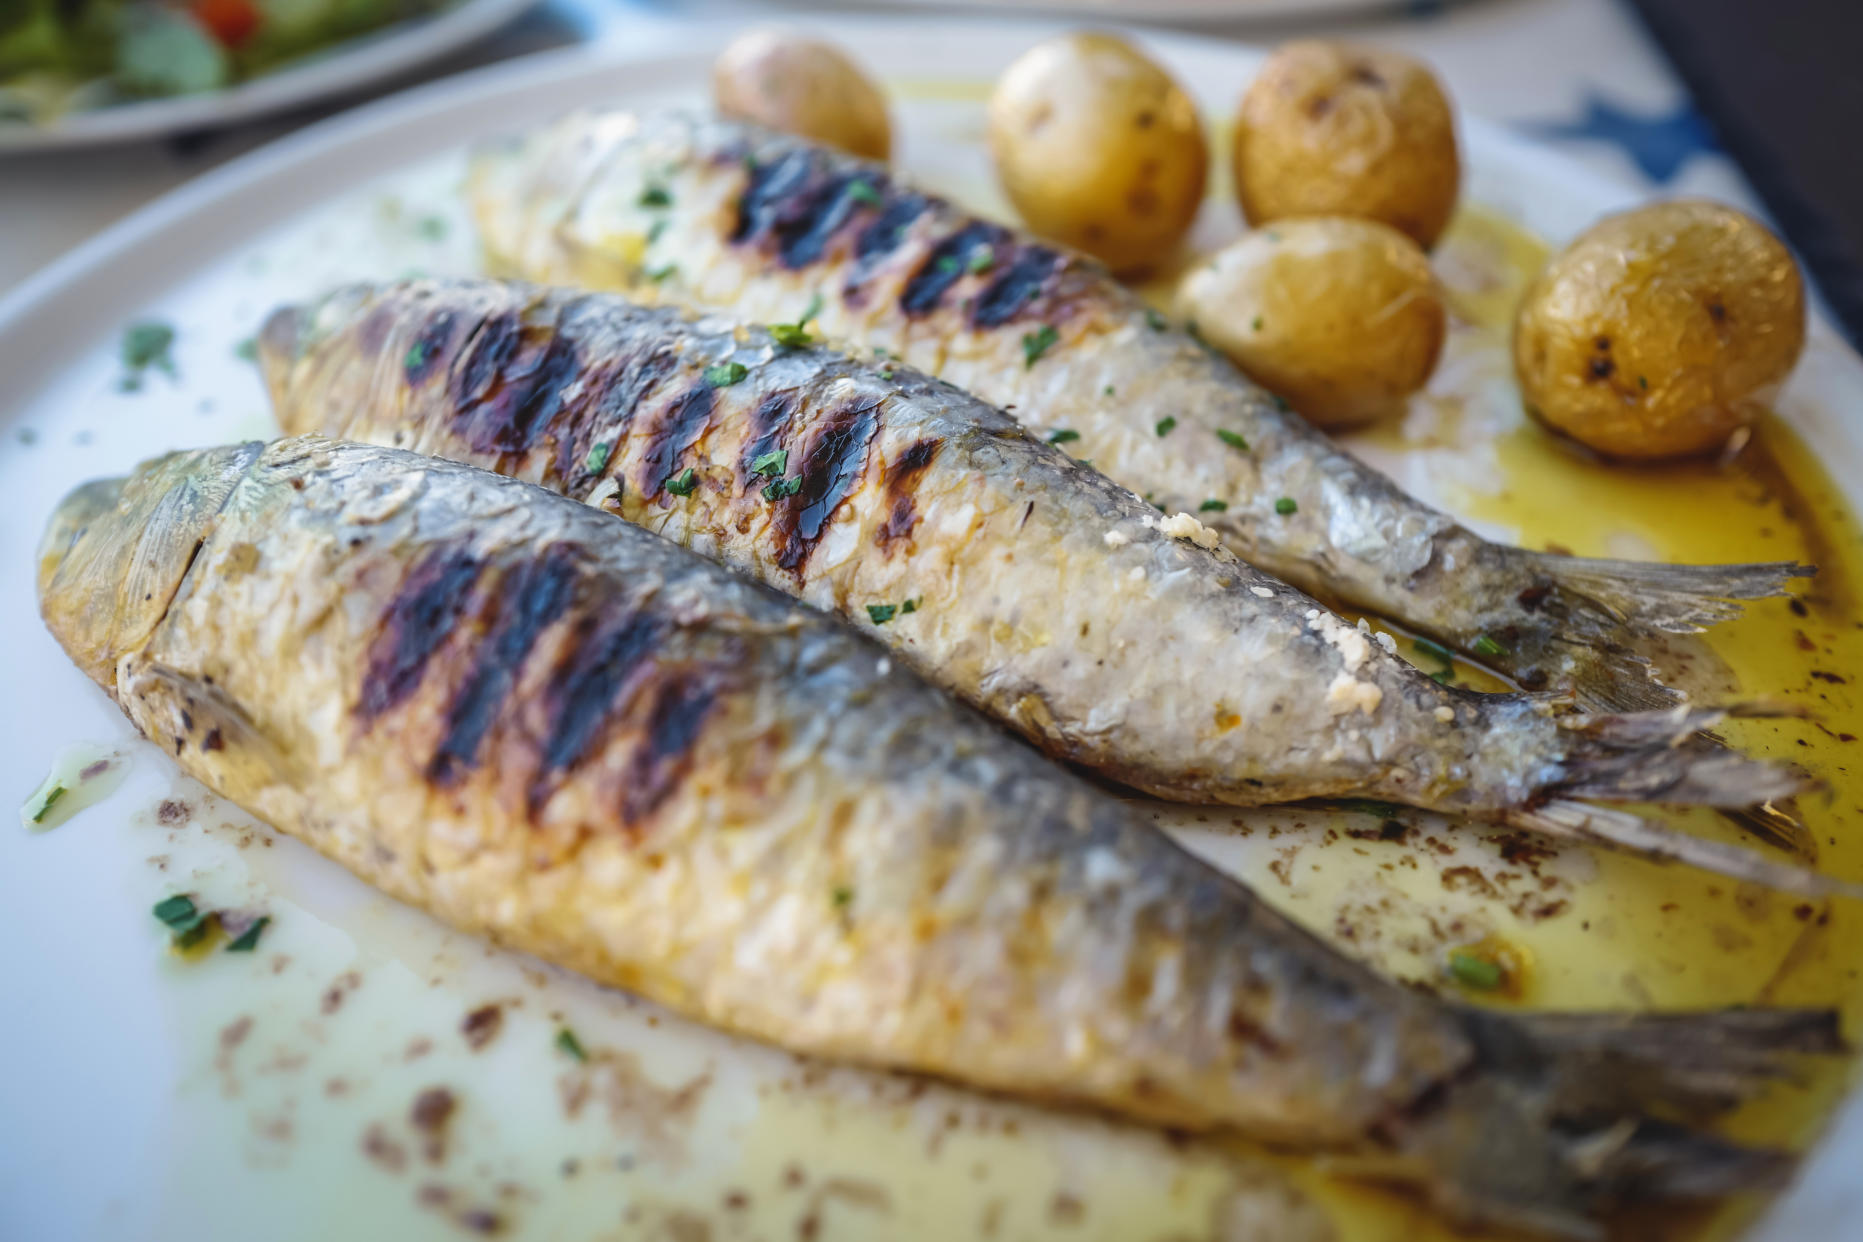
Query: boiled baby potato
(1099, 148)
(802, 86)
(1332, 129)
(1660, 332)
(1340, 316)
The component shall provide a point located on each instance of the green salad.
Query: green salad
(61, 55)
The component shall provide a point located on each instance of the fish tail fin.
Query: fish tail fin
(1660, 756)
(1665, 598)
(1565, 1116)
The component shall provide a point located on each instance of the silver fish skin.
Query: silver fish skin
(1000, 568)
(586, 743)
(722, 216)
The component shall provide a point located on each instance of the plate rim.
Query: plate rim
(1823, 1189)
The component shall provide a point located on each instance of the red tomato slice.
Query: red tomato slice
(230, 21)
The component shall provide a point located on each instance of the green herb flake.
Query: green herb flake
(1286, 505)
(416, 357)
(1107, 391)
(1063, 435)
(1485, 646)
(1035, 344)
(773, 463)
(1370, 806)
(598, 456)
(1213, 506)
(656, 230)
(791, 335)
(186, 922)
(247, 350)
(1233, 439)
(776, 489)
(682, 483)
(887, 374)
(1436, 651)
(42, 801)
(1474, 972)
(1643, 382)
(863, 192)
(1165, 426)
(948, 265)
(661, 273)
(842, 896)
(1255, 324)
(431, 228)
(1280, 402)
(1157, 320)
(911, 605)
(1443, 677)
(567, 1042)
(656, 196)
(880, 614)
(147, 344)
(981, 260)
(248, 940)
(725, 374)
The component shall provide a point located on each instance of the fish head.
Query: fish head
(116, 551)
(292, 341)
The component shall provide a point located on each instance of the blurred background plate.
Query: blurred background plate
(1160, 10)
(337, 70)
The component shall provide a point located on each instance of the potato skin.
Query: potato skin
(1342, 317)
(1099, 148)
(802, 86)
(1334, 129)
(1661, 331)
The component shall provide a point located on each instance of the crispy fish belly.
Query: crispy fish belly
(557, 730)
(718, 215)
(1019, 579)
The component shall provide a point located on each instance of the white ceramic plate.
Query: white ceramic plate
(332, 72)
(268, 1096)
(1162, 10)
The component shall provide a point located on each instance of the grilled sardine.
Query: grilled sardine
(1001, 569)
(560, 731)
(723, 216)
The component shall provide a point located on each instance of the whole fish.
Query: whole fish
(999, 567)
(723, 216)
(559, 731)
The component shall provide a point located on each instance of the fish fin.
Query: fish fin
(1633, 834)
(1660, 757)
(1666, 598)
(1562, 1116)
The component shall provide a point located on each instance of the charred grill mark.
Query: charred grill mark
(416, 621)
(483, 356)
(513, 384)
(429, 351)
(520, 608)
(815, 217)
(902, 481)
(591, 687)
(767, 189)
(769, 428)
(675, 719)
(884, 233)
(1015, 288)
(677, 430)
(945, 266)
(834, 458)
(603, 407)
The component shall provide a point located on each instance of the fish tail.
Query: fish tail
(1659, 756)
(1564, 1116)
(1665, 598)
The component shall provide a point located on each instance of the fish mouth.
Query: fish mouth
(82, 506)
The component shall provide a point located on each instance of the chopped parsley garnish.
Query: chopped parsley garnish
(1157, 321)
(655, 229)
(813, 309)
(880, 614)
(1286, 505)
(981, 260)
(887, 374)
(1213, 506)
(1107, 391)
(247, 350)
(566, 1041)
(843, 897)
(1436, 651)
(1165, 426)
(1370, 806)
(1474, 972)
(658, 274)
(1037, 343)
(948, 264)
(186, 922)
(42, 801)
(1643, 382)
(1485, 646)
(1062, 435)
(146, 345)
(1280, 402)
(796, 335)
(1233, 439)
(248, 940)
(772, 463)
(863, 192)
(598, 456)
(432, 228)
(1255, 324)
(725, 374)
(416, 357)
(656, 196)
(682, 483)
(776, 489)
